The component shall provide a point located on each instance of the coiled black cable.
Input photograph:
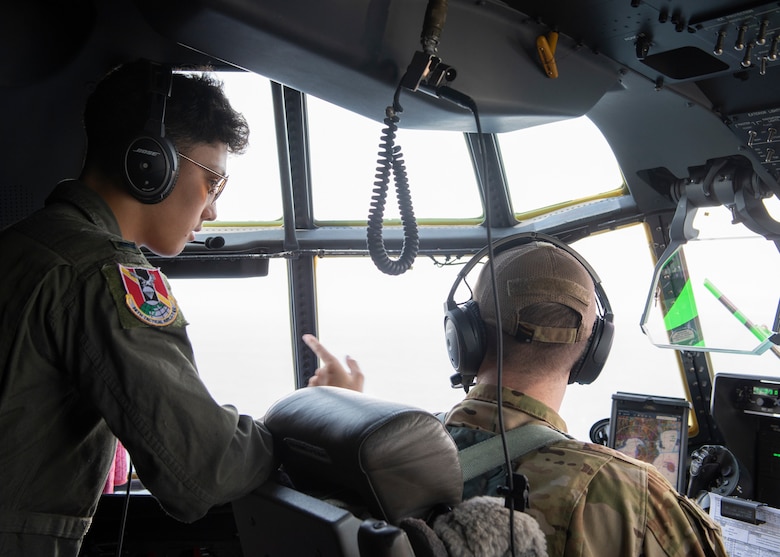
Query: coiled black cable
(391, 160)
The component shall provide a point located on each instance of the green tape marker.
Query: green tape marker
(679, 319)
(759, 332)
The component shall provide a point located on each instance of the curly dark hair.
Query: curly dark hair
(196, 112)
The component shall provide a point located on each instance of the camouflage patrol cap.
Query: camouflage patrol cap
(534, 273)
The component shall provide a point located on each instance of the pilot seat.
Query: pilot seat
(352, 467)
(360, 476)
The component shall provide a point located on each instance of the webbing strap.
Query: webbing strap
(488, 454)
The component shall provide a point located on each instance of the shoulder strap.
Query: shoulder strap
(488, 454)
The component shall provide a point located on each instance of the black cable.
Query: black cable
(391, 160)
(464, 101)
(124, 509)
(485, 187)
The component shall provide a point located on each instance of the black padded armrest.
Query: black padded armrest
(398, 459)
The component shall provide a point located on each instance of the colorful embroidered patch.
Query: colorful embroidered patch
(147, 295)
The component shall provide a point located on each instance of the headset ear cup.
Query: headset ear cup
(151, 167)
(465, 335)
(151, 163)
(588, 368)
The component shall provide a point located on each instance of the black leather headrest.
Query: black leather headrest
(399, 460)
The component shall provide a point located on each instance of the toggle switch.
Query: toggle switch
(761, 37)
(739, 44)
(718, 50)
(643, 44)
(773, 48)
(746, 61)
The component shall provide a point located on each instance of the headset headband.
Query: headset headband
(464, 329)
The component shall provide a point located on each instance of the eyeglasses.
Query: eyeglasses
(215, 190)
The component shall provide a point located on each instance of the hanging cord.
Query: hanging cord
(124, 508)
(509, 490)
(422, 68)
(391, 160)
(464, 101)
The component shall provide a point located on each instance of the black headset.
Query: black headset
(465, 331)
(151, 163)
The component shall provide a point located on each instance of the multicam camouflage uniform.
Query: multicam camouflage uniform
(588, 499)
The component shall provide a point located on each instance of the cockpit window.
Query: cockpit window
(545, 165)
(558, 163)
(240, 329)
(253, 194)
(344, 149)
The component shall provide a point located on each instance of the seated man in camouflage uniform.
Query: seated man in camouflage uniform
(587, 498)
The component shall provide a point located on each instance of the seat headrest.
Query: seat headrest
(399, 460)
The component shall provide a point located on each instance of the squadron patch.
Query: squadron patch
(147, 296)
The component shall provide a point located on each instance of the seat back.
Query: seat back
(357, 465)
(397, 460)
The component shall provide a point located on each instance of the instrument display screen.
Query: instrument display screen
(652, 429)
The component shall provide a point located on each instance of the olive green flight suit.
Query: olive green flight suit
(82, 363)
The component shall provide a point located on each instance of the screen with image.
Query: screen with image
(653, 429)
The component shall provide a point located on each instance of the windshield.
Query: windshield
(393, 325)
